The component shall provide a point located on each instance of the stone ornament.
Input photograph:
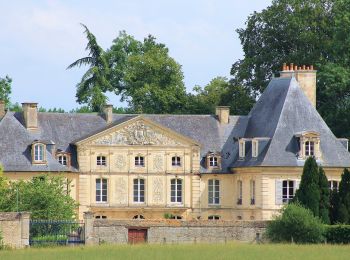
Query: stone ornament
(158, 162)
(157, 190)
(120, 162)
(121, 195)
(137, 133)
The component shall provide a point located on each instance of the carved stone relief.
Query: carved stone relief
(137, 133)
(120, 162)
(157, 190)
(121, 195)
(158, 163)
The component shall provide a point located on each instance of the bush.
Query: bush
(338, 234)
(296, 224)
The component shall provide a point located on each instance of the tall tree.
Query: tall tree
(303, 32)
(324, 205)
(94, 83)
(308, 193)
(5, 89)
(344, 198)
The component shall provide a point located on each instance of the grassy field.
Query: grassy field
(198, 251)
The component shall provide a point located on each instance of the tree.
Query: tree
(94, 83)
(308, 194)
(344, 198)
(45, 196)
(5, 89)
(324, 205)
(301, 32)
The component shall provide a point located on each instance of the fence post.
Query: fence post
(25, 219)
(89, 227)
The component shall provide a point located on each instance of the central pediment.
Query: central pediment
(138, 131)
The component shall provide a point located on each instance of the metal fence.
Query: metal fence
(56, 232)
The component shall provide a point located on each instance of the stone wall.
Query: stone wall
(14, 228)
(173, 231)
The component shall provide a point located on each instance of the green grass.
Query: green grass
(197, 251)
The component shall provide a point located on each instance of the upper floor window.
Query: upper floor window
(333, 185)
(101, 190)
(176, 190)
(255, 148)
(239, 192)
(139, 161)
(241, 148)
(176, 161)
(139, 190)
(252, 192)
(101, 161)
(309, 148)
(39, 152)
(62, 159)
(214, 192)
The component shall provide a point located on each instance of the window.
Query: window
(333, 185)
(100, 217)
(287, 191)
(175, 217)
(139, 161)
(176, 190)
(255, 148)
(213, 161)
(176, 161)
(309, 148)
(101, 161)
(39, 152)
(138, 217)
(241, 148)
(239, 192)
(139, 190)
(62, 159)
(214, 192)
(252, 192)
(214, 217)
(101, 190)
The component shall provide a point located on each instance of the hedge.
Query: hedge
(337, 234)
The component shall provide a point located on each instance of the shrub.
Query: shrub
(338, 234)
(295, 224)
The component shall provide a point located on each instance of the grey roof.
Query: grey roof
(281, 112)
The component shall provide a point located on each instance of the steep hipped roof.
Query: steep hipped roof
(281, 112)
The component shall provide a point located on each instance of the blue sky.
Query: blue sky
(40, 38)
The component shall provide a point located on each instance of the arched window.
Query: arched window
(39, 152)
(176, 161)
(62, 159)
(309, 148)
(139, 190)
(176, 190)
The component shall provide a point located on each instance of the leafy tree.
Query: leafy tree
(308, 194)
(295, 224)
(94, 82)
(324, 204)
(5, 89)
(301, 32)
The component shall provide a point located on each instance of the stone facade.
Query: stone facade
(14, 228)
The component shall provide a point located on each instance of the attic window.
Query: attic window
(309, 143)
(63, 158)
(255, 148)
(38, 152)
(241, 148)
(213, 160)
(309, 148)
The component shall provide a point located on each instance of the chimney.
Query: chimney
(222, 113)
(306, 77)
(30, 114)
(2, 109)
(108, 113)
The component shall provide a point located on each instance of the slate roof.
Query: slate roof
(281, 112)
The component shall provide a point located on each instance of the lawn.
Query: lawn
(197, 251)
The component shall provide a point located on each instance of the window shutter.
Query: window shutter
(278, 191)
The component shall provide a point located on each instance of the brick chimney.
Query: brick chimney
(30, 114)
(2, 109)
(306, 77)
(222, 113)
(108, 113)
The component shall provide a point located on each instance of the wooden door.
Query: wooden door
(136, 236)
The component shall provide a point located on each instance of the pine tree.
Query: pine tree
(344, 198)
(308, 193)
(324, 196)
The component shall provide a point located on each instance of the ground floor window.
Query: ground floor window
(214, 217)
(333, 185)
(287, 191)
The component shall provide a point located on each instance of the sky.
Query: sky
(40, 38)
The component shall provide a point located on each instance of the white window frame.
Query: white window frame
(309, 148)
(101, 186)
(239, 192)
(176, 189)
(213, 161)
(39, 152)
(331, 185)
(101, 160)
(252, 192)
(241, 148)
(176, 161)
(255, 148)
(139, 190)
(139, 161)
(288, 192)
(213, 192)
(63, 159)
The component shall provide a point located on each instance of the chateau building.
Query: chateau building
(186, 166)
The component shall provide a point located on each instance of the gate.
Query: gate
(56, 232)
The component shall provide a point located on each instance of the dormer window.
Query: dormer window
(309, 144)
(39, 153)
(255, 148)
(213, 161)
(62, 159)
(241, 148)
(309, 148)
